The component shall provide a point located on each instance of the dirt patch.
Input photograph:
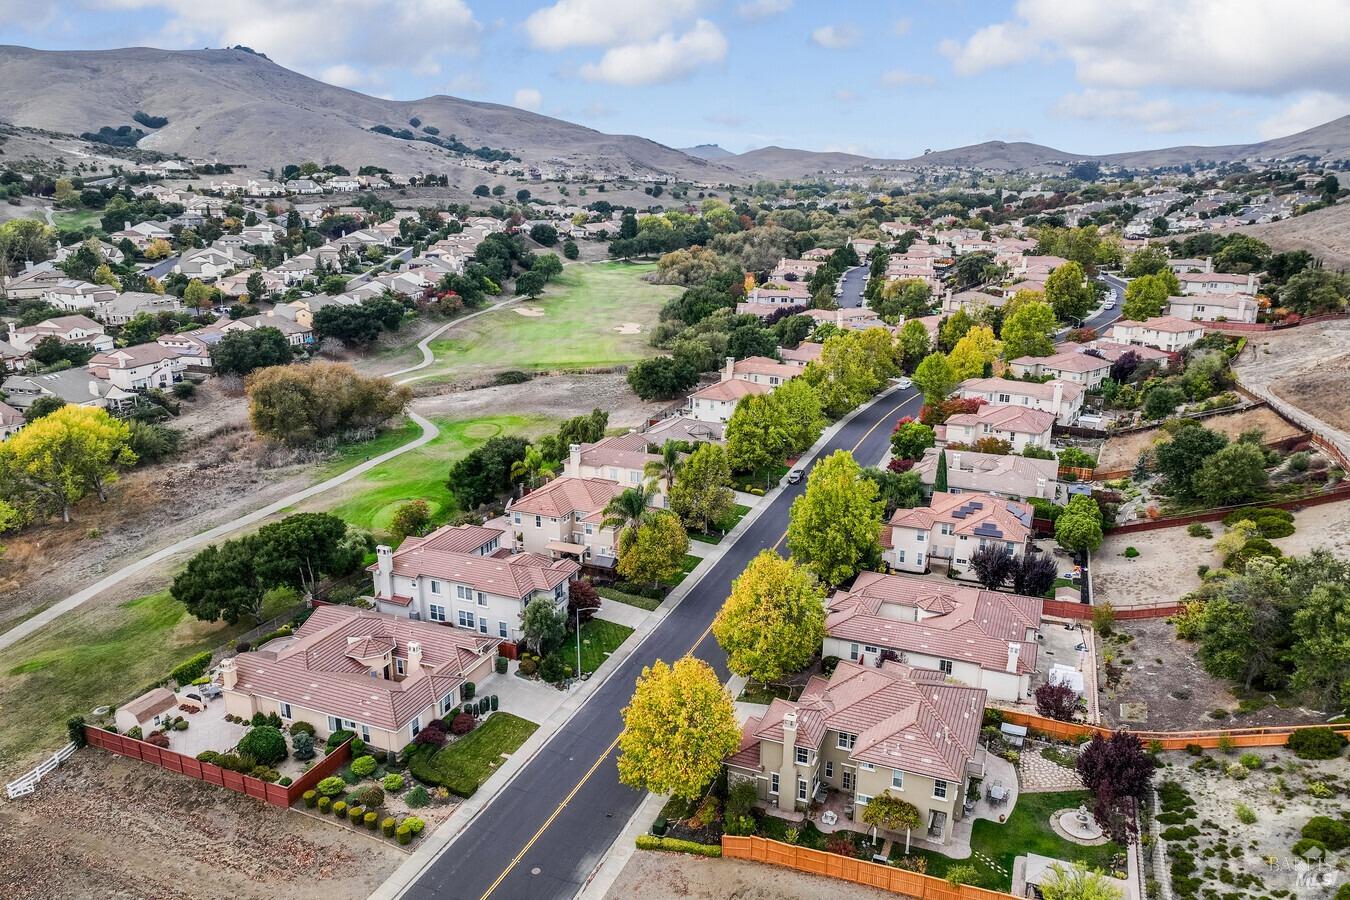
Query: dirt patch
(528, 312)
(629, 328)
(557, 396)
(1122, 451)
(109, 827)
(661, 875)
(1306, 366)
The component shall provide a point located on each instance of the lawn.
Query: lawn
(686, 566)
(371, 500)
(464, 765)
(598, 640)
(1026, 831)
(76, 220)
(581, 310)
(99, 654)
(618, 596)
(721, 529)
(356, 452)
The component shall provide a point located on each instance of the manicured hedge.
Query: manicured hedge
(674, 845)
(194, 668)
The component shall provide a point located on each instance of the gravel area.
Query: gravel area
(656, 875)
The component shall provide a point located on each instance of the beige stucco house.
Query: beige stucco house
(951, 528)
(564, 519)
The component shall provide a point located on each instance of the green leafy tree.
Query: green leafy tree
(548, 265)
(974, 353)
(530, 284)
(1321, 628)
(571, 250)
(1149, 260)
(800, 417)
(1179, 459)
(241, 352)
(412, 517)
(773, 622)
(756, 434)
(55, 461)
(1079, 526)
(1028, 331)
(653, 550)
(935, 378)
(678, 728)
(661, 378)
(543, 234)
(533, 469)
(834, 527)
(701, 494)
(1161, 401)
(484, 474)
(910, 438)
(914, 343)
(265, 744)
(299, 405)
(940, 476)
(889, 813)
(1235, 474)
(543, 624)
(1068, 293)
(1145, 297)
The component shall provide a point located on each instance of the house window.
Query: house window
(482, 626)
(589, 529)
(416, 725)
(829, 768)
(285, 710)
(862, 799)
(482, 599)
(897, 779)
(437, 613)
(853, 652)
(463, 592)
(465, 619)
(515, 518)
(501, 629)
(945, 666)
(773, 783)
(447, 702)
(945, 528)
(803, 756)
(918, 559)
(400, 666)
(868, 767)
(921, 536)
(538, 522)
(333, 725)
(801, 790)
(939, 789)
(365, 733)
(435, 586)
(846, 740)
(900, 556)
(848, 779)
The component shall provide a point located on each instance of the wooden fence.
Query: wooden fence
(858, 871)
(211, 773)
(1263, 736)
(1065, 610)
(28, 782)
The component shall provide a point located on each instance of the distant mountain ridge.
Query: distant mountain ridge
(707, 151)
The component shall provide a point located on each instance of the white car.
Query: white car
(905, 383)
(1109, 304)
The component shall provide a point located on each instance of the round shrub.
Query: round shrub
(528, 667)
(417, 797)
(403, 835)
(180, 725)
(387, 826)
(463, 724)
(285, 781)
(302, 727)
(1316, 743)
(370, 796)
(1131, 553)
(371, 820)
(331, 786)
(208, 756)
(264, 743)
(413, 824)
(363, 766)
(501, 664)
(356, 814)
(1331, 833)
(302, 746)
(338, 738)
(340, 809)
(311, 798)
(358, 747)
(325, 803)
(392, 782)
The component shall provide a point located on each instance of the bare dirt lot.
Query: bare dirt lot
(657, 875)
(556, 396)
(1166, 568)
(108, 827)
(1308, 366)
(1122, 451)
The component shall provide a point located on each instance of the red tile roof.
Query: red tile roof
(567, 495)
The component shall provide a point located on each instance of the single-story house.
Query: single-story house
(1015, 476)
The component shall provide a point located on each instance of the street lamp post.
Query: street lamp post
(578, 641)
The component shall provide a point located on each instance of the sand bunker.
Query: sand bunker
(528, 311)
(629, 328)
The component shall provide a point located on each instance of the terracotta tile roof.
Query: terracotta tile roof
(1067, 361)
(1019, 419)
(518, 575)
(567, 496)
(762, 365)
(625, 452)
(454, 539)
(732, 389)
(805, 352)
(151, 703)
(1039, 390)
(1169, 324)
(977, 515)
(316, 669)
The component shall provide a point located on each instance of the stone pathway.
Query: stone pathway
(1040, 775)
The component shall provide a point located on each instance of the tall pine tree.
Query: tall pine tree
(940, 478)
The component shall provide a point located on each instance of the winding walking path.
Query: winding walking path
(429, 433)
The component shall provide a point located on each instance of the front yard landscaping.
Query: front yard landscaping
(599, 639)
(721, 529)
(686, 566)
(463, 765)
(618, 596)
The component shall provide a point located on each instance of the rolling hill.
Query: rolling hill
(239, 107)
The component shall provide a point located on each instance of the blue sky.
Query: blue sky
(879, 78)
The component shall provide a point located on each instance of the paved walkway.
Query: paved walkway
(622, 613)
(1041, 775)
(429, 433)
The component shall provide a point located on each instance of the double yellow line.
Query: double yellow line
(557, 811)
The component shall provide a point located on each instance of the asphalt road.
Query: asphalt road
(162, 268)
(544, 834)
(855, 279)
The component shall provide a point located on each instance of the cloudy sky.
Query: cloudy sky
(880, 78)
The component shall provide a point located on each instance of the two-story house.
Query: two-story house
(75, 295)
(463, 576)
(1011, 475)
(1213, 307)
(866, 731)
(1069, 364)
(564, 519)
(1062, 399)
(621, 458)
(716, 402)
(951, 528)
(1215, 283)
(139, 367)
(1166, 333)
(1020, 426)
(123, 307)
(80, 330)
(381, 677)
(979, 638)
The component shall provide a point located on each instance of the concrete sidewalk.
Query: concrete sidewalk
(623, 614)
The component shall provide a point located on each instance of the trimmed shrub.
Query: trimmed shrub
(358, 747)
(413, 824)
(502, 663)
(1131, 553)
(387, 826)
(433, 734)
(463, 724)
(258, 719)
(403, 835)
(370, 796)
(180, 725)
(265, 773)
(1200, 530)
(417, 797)
(674, 845)
(325, 804)
(311, 798)
(186, 672)
(492, 702)
(302, 746)
(340, 809)
(467, 691)
(1250, 760)
(331, 786)
(363, 766)
(208, 756)
(371, 820)
(356, 814)
(1316, 743)
(338, 738)
(302, 727)
(1331, 833)
(264, 743)
(392, 782)
(529, 667)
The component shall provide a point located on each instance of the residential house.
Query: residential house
(211, 263)
(802, 354)
(1020, 426)
(142, 235)
(80, 330)
(856, 319)
(11, 420)
(564, 519)
(789, 293)
(12, 359)
(716, 402)
(297, 334)
(193, 348)
(866, 731)
(951, 528)
(1214, 308)
(622, 458)
(1112, 351)
(1181, 267)
(78, 296)
(1011, 475)
(1166, 333)
(75, 386)
(123, 307)
(979, 638)
(149, 712)
(139, 367)
(759, 370)
(1062, 398)
(345, 669)
(304, 186)
(1217, 283)
(1069, 364)
(110, 253)
(685, 429)
(33, 282)
(971, 301)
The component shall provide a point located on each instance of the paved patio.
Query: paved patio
(207, 730)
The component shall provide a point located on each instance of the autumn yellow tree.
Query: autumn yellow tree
(158, 249)
(773, 621)
(677, 729)
(653, 549)
(105, 275)
(834, 528)
(54, 462)
(973, 352)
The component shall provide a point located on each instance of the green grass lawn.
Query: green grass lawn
(99, 654)
(78, 219)
(581, 309)
(357, 452)
(754, 692)
(598, 640)
(686, 566)
(618, 596)
(464, 765)
(371, 500)
(1026, 831)
(721, 528)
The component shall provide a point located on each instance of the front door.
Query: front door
(848, 779)
(937, 823)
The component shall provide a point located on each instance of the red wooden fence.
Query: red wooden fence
(1066, 610)
(211, 773)
(1261, 736)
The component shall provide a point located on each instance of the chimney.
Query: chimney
(93, 388)
(1058, 396)
(729, 370)
(1014, 653)
(787, 769)
(1209, 264)
(126, 226)
(414, 657)
(229, 675)
(956, 460)
(384, 571)
(574, 460)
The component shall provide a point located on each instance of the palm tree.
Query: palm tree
(628, 509)
(532, 468)
(666, 467)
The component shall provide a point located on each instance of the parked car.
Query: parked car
(794, 476)
(905, 383)
(1109, 304)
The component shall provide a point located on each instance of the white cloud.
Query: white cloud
(1236, 46)
(836, 37)
(529, 98)
(902, 27)
(762, 9)
(905, 78)
(667, 58)
(342, 75)
(605, 23)
(1312, 108)
(1159, 116)
(344, 38)
(466, 83)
